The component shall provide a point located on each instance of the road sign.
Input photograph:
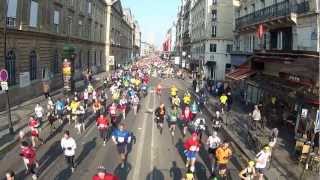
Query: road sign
(3, 75)
(4, 85)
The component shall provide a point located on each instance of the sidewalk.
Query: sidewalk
(282, 166)
(20, 114)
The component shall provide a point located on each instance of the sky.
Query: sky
(154, 17)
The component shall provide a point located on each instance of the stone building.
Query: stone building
(37, 31)
(211, 37)
(136, 40)
(121, 28)
(286, 25)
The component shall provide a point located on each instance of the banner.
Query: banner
(66, 71)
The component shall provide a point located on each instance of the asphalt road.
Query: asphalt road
(152, 156)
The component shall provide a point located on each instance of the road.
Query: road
(152, 156)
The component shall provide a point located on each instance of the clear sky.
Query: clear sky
(154, 17)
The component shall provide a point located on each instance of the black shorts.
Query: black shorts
(222, 166)
(121, 148)
(173, 123)
(212, 151)
(260, 170)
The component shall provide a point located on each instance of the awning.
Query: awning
(210, 63)
(240, 73)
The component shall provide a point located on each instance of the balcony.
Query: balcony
(281, 9)
(11, 22)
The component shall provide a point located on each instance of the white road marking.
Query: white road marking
(141, 144)
(152, 141)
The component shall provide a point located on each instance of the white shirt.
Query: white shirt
(86, 95)
(262, 159)
(69, 145)
(213, 141)
(256, 115)
(38, 110)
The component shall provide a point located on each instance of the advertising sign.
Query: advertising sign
(66, 71)
(3, 75)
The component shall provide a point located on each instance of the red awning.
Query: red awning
(240, 73)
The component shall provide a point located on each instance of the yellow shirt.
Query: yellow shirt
(223, 99)
(74, 106)
(223, 155)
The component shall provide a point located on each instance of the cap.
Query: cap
(251, 163)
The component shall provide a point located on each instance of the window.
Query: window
(80, 59)
(95, 58)
(33, 65)
(56, 21)
(100, 63)
(80, 28)
(213, 47)
(10, 66)
(89, 7)
(214, 15)
(88, 60)
(11, 13)
(55, 62)
(34, 14)
(69, 22)
(229, 48)
(214, 2)
(214, 31)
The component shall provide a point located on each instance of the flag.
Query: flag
(260, 31)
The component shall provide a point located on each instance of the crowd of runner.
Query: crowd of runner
(109, 104)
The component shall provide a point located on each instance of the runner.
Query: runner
(223, 155)
(173, 119)
(59, 108)
(68, 145)
(10, 175)
(160, 114)
(103, 124)
(186, 117)
(175, 101)
(86, 98)
(192, 147)
(187, 98)
(135, 104)
(102, 174)
(213, 143)
(28, 155)
(121, 137)
(200, 125)
(113, 114)
(74, 107)
(262, 159)
(34, 126)
(80, 119)
(96, 106)
(123, 106)
(159, 89)
(51, 118)
(249, 172)
(39, 111)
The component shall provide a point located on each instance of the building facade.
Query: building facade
(136, 40)
(186, 41)
(211, 37)
(121, 28)
(146, 49)
(36, 34)
(286, 25)
(179, 26)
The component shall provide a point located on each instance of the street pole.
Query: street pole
(11, 131)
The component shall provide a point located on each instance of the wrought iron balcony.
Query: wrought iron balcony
(284, 8)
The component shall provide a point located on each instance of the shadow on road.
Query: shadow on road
(54, 151)
(122, 173)
(175, 172)
(64, 174)
(200, 171)
(87, 148)
(180, 149)
(155, 174)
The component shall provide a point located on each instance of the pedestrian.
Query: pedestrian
(223, 155)
(229, 101)
(192, 147)
(80, 119)
(39, 111)
(50, 105)
(102, 174)
(262, 159)
(10, 175)
(213, 142)
(223, 102)
(103, 124)
(96, 107)
(28, 155)
(51, 119)
(123, 106)
(45, 88)
(135, 104)
(86, 98)
(59, 108)
(256, 116)
(74, 107)
(34, 126)
(68, 145)
(121, 137)
(249, 172)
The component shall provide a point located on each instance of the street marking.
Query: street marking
(152, 137)
(141, 144)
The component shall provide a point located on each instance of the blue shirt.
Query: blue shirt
(121, 136)
(59, 105)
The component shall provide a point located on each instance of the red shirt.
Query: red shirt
(28, 153)
(187, 115)
(106, 177)
(34, 123)
(112, 110)
(192, 145)
(102, 122)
